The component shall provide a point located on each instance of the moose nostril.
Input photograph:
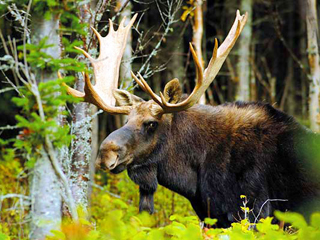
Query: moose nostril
(110, 151)
(112, 166)
(113, 160)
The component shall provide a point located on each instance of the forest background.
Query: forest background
(49, 141)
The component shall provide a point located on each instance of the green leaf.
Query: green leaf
(20, 101)
(156, 234)
(22, 122)
(121, 204)
(295, 219)
(210, 221)
(57, 235)
(315, 220)
(4, 236)
(266, 225)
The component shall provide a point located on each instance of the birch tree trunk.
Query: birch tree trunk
(313, 56)
(81, 122)
(45, 189)
(253, 85)
(304, 60)
(125, 68)
(243, 64)
(94, 150)
(197, 37)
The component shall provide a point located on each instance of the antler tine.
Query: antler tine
(70, 90)
(138, 82)
(154, 96)
(87, 55)
(222, 52)
(132, 21)
(145, 87)
(111, 29)
(218, 57)
(96, 33)
(199, 70)
(122, 22)
(106, 69)
(233, 34)
(214, 54)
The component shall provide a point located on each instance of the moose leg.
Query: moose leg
(197, 207)
(146, 178)
(146, 201)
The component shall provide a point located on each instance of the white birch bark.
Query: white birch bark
(243, 64)
(125, 68)
(45, 189)
(314, 64)
(81, 128)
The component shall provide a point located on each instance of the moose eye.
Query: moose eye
(151, 126)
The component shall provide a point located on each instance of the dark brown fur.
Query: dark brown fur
(212, 155)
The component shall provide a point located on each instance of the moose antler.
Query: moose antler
(106, 69)
(204, 78)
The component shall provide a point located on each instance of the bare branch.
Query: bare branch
(8, 127)
(14, 87)
(24, 41)
(14, 195)
(170, 19)
(268, 200)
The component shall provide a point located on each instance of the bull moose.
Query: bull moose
(209, 154)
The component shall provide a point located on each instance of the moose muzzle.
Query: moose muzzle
(114, 149)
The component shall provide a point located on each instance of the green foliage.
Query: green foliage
(72, 24)
(166, 202)
(39, 59)
(41, 105)
(35, 129)
(297, 221)
(3, 236)
(266, 230)
(210, 221)
(11, 175)
(115, 218)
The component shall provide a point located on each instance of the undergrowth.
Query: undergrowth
(114, 215)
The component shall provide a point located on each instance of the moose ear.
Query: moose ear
(173, 91)
(124, 98)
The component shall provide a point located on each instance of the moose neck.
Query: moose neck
(181, 154)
